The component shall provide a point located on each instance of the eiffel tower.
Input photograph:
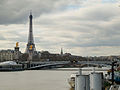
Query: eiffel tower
(30, 49)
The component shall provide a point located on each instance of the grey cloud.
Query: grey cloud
(96, 27)
(2, 37)
(16, 12)
(17, 39)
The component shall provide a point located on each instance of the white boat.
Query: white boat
(10, 66)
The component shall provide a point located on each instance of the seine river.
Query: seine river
(35, 80)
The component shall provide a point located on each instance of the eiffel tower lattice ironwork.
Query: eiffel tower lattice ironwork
(30, 45)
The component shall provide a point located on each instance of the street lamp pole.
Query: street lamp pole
(113, 63)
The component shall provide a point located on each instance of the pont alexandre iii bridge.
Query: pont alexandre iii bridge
(43, 65)
(59, 64)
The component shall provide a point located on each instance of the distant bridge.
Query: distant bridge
(58, 64)
(50, 64)
(97, 63)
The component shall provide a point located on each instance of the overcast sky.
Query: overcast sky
(80, 27)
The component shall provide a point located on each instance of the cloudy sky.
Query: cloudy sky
(80, 27)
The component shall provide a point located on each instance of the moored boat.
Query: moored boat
(10, 66)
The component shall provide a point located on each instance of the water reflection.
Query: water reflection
(35, 80)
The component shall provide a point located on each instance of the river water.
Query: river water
(35, 80)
